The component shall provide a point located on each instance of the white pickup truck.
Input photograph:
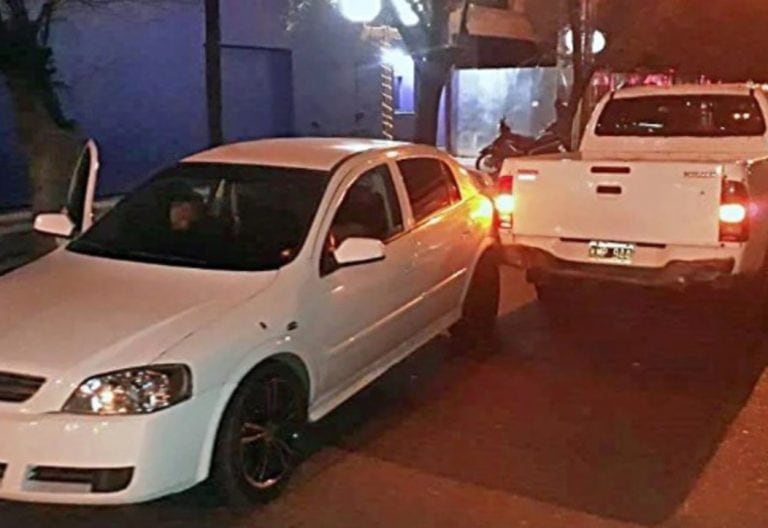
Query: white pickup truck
(669, 188)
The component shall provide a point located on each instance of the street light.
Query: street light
(598, 41)
(360, 11)
(366, 11)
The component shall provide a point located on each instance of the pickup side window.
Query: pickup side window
(682, 116)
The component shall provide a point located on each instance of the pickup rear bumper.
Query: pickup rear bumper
(543, 267)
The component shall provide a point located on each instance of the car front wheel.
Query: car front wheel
(257, 445)
(481, 304)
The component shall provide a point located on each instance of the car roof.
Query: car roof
(686, 89)
(321, 154)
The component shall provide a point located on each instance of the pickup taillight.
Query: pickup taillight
(505, 200)
(734, 212)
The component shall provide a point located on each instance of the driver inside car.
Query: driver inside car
(186, 212)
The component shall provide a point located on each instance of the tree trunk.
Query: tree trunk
(431, 77)
(50, 149)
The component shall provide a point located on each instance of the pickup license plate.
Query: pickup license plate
(615, 252)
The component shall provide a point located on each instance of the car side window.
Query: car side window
(431, 186)
(370, 209)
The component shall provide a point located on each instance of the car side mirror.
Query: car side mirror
(56, 224)
(357, 251)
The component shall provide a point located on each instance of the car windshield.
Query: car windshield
(683, 115)
(213, 216)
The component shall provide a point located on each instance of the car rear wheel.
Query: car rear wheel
(481, 304)
(257, 447)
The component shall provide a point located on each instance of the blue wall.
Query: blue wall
(337, 86)
(13, 186)
(257, 93)
(133, 77)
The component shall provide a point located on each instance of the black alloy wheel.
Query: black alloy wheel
(258, 444)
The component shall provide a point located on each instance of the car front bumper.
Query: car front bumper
(70, 459)
(542, 266)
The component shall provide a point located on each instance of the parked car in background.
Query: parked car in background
(669, 188)
(192, 331)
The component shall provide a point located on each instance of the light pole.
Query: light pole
(213, 72)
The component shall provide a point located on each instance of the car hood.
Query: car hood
(73, 315)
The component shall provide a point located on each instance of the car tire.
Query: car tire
(480, 309)
(257, 446)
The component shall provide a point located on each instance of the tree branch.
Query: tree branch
(422, 14)
(463, 25)
(18, 10)
(43, 22)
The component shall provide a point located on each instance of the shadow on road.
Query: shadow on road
(614, 407)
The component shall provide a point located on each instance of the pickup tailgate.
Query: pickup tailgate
(639, 202)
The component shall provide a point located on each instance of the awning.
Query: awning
(498, 37)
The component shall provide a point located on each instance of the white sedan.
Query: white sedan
(194, 330)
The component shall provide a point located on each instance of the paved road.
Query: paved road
(628, 409)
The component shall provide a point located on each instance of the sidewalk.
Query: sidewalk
(17, 249)
(733, 489)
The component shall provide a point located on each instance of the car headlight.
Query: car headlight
(142, 390)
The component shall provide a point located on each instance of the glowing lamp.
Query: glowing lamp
(733, 213)
(505, 204)
(599, 42)
(360, 11)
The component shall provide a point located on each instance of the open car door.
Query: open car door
(82, 188)
(77, 216)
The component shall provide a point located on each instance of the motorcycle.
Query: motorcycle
(511, 145)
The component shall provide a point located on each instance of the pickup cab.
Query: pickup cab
(668, 188)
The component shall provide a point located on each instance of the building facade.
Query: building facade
(133, 76)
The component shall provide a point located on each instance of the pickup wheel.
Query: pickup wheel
(257, 445)
(481, 304)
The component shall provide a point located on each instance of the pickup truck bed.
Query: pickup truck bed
(653, 211)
